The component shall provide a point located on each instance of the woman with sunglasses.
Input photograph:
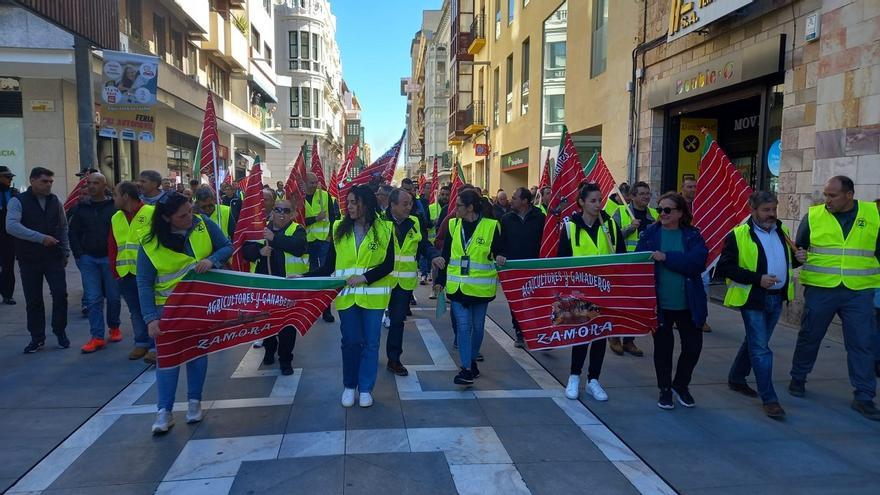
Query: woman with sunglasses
(468, 263)
(680, 255)
(589, 233)
(283, 252)
(178, 242)
(361, 251)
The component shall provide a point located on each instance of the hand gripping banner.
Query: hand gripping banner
(213, 311)
(560, 302)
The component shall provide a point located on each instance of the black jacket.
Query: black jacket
(49, 220)
(6, 194)
(294, 244)
(728, 266)
(521, 237)
(90, 227)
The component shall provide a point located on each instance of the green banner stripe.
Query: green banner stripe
(588, 166)
(230, 278)
(577, 262)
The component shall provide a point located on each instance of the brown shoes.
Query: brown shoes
(137, 353)
(706, 327)
(150, 357)
(615, 345)
(630, 347)
(774, 410)
(397, 368)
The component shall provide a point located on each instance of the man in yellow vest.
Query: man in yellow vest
(757, 262)
(320, 214)
(206, 204)
(128, 227)
(838, 244)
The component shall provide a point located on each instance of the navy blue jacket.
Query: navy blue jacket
(691, 263)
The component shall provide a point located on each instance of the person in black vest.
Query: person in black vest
(7, 242)
(36, 219)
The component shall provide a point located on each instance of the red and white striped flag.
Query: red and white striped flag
(333, 186)
(251, 220)
(422, 182)
(205, 161)
(75, 194)
(338, 186)
(569, 176)
(722, 199)
(545, 176)
(597, 173)
(295, 189)
(435, 184)
(317, 167)
(382, 170)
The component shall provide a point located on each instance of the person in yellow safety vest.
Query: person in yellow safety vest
(410, 242)
(206, 204)
(321, 211)
(544, 199)
(177, 242)
(361, 252)
(758, 264)
(615, 200)
(838, 244)
(129, 225)
(472, 248)
(589, 232)
(283, 252)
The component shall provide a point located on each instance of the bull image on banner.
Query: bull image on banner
(561, 302)
(220, 309)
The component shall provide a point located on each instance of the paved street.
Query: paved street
(80, 424)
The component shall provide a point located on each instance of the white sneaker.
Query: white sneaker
(258, 344)
(386, 321)
(194, 413)
(348, 397)
(571, 390)
(164, 421)
(366, 399)
(596, 390)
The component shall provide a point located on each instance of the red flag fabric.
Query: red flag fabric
(378, 170)
(435, 184)
(601, 176)
(545, 176)
(342, 178)
(213, 311)
(560, 302)
(422, 181)
(333, 187)
(457, 183)
(722, 199)
(295, 189)
(75, 194)
(317, 167)
(208, 143)
(251, 220)
(389, 159)
(563, 196)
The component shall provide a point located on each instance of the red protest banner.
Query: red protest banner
(560, 302)
(220, 309)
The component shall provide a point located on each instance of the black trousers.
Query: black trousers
(283, 343)
(664, 343)
(596, 350)
(516, 327)
(397, 307)
(32, 275)
(7, 265)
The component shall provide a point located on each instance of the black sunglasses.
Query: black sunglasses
(666, 210)
(279, 209)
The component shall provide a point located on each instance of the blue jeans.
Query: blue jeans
(361, 330)
(754, 353)
(128, 289)
(397, 314)
(470, 323)
(166, 381)
(424, 266)
(856, 311)
(99, 284)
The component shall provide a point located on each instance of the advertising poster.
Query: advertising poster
(128, 94)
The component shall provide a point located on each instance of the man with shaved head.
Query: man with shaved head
(90, 225)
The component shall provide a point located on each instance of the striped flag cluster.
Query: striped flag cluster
(317, 166)
(545, 175)
(205, 161)
(251, 220)
(295, 189)
(597, 173)
(435, 184)
(721, 202)
(337, 185)
(382, 170)
(569, 175)
(422, 182)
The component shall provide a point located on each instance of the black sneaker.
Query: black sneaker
(475, 372)
(683, 396)
(33, 346)
(480, 357)
(796, 388)
(269, 359)
(520, 343)
(286, 369)
(328, 316)
(464, 377)
(665, 400)
(8, 300)
(867, 409)
(63, 341)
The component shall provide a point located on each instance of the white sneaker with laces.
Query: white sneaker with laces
(596, 390)
(366, 399)
(571, 390)
(348, 397)
(164, 422)
(194, 412)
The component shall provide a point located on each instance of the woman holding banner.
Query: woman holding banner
(680, 255)
(362, 252)
(470, 277)
(589, 233)
(178, 242)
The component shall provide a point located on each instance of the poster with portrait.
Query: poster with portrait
(128, 93)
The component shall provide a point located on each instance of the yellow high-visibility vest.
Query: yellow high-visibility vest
(583, 245)
(128, 236)
(172, 266)
(632, 240)
(482, 277)
(354, 260)
(318, 231)
(737, 293)
(434, 215)
(406, 270)
(833, 260)
(221, 216)
(293, 265)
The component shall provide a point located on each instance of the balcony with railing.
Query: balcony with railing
(237, 44)
(478, 34)
(476, 120)
(216, 41)
(458, 121)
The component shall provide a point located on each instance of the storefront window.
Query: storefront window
(117, 159)
(180, 151)
(773, 154)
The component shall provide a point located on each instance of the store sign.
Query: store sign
(128, 94)
(515, 161)
(691, 141)
(689, 16)
(759, 60)
(481, 149)
(744, 123)
(12, 147)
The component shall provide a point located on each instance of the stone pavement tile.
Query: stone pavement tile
(479, 445)
(656, 427)
(382, 414)
(83, 395)
(507, 379)
(414, 350)
(218, 388)
(488, 479)
(221, 457)
(6, 483)
(320, 385)
(688, 465)
(742, 424)
(386, 385)
(116, 489)
(574, 477)
(376, 441)
(443, 413)
(324, 475)
(861, 450)
(310, 444)
(241, 422)
(792, 460)
(132, 432)
(410, 473)
(316, 416)
(838, 485)
(538, 443)
(813, 418)
(512, 412)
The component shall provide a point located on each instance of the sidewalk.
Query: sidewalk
(513, 432)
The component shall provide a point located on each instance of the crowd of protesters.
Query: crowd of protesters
(134, 241)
